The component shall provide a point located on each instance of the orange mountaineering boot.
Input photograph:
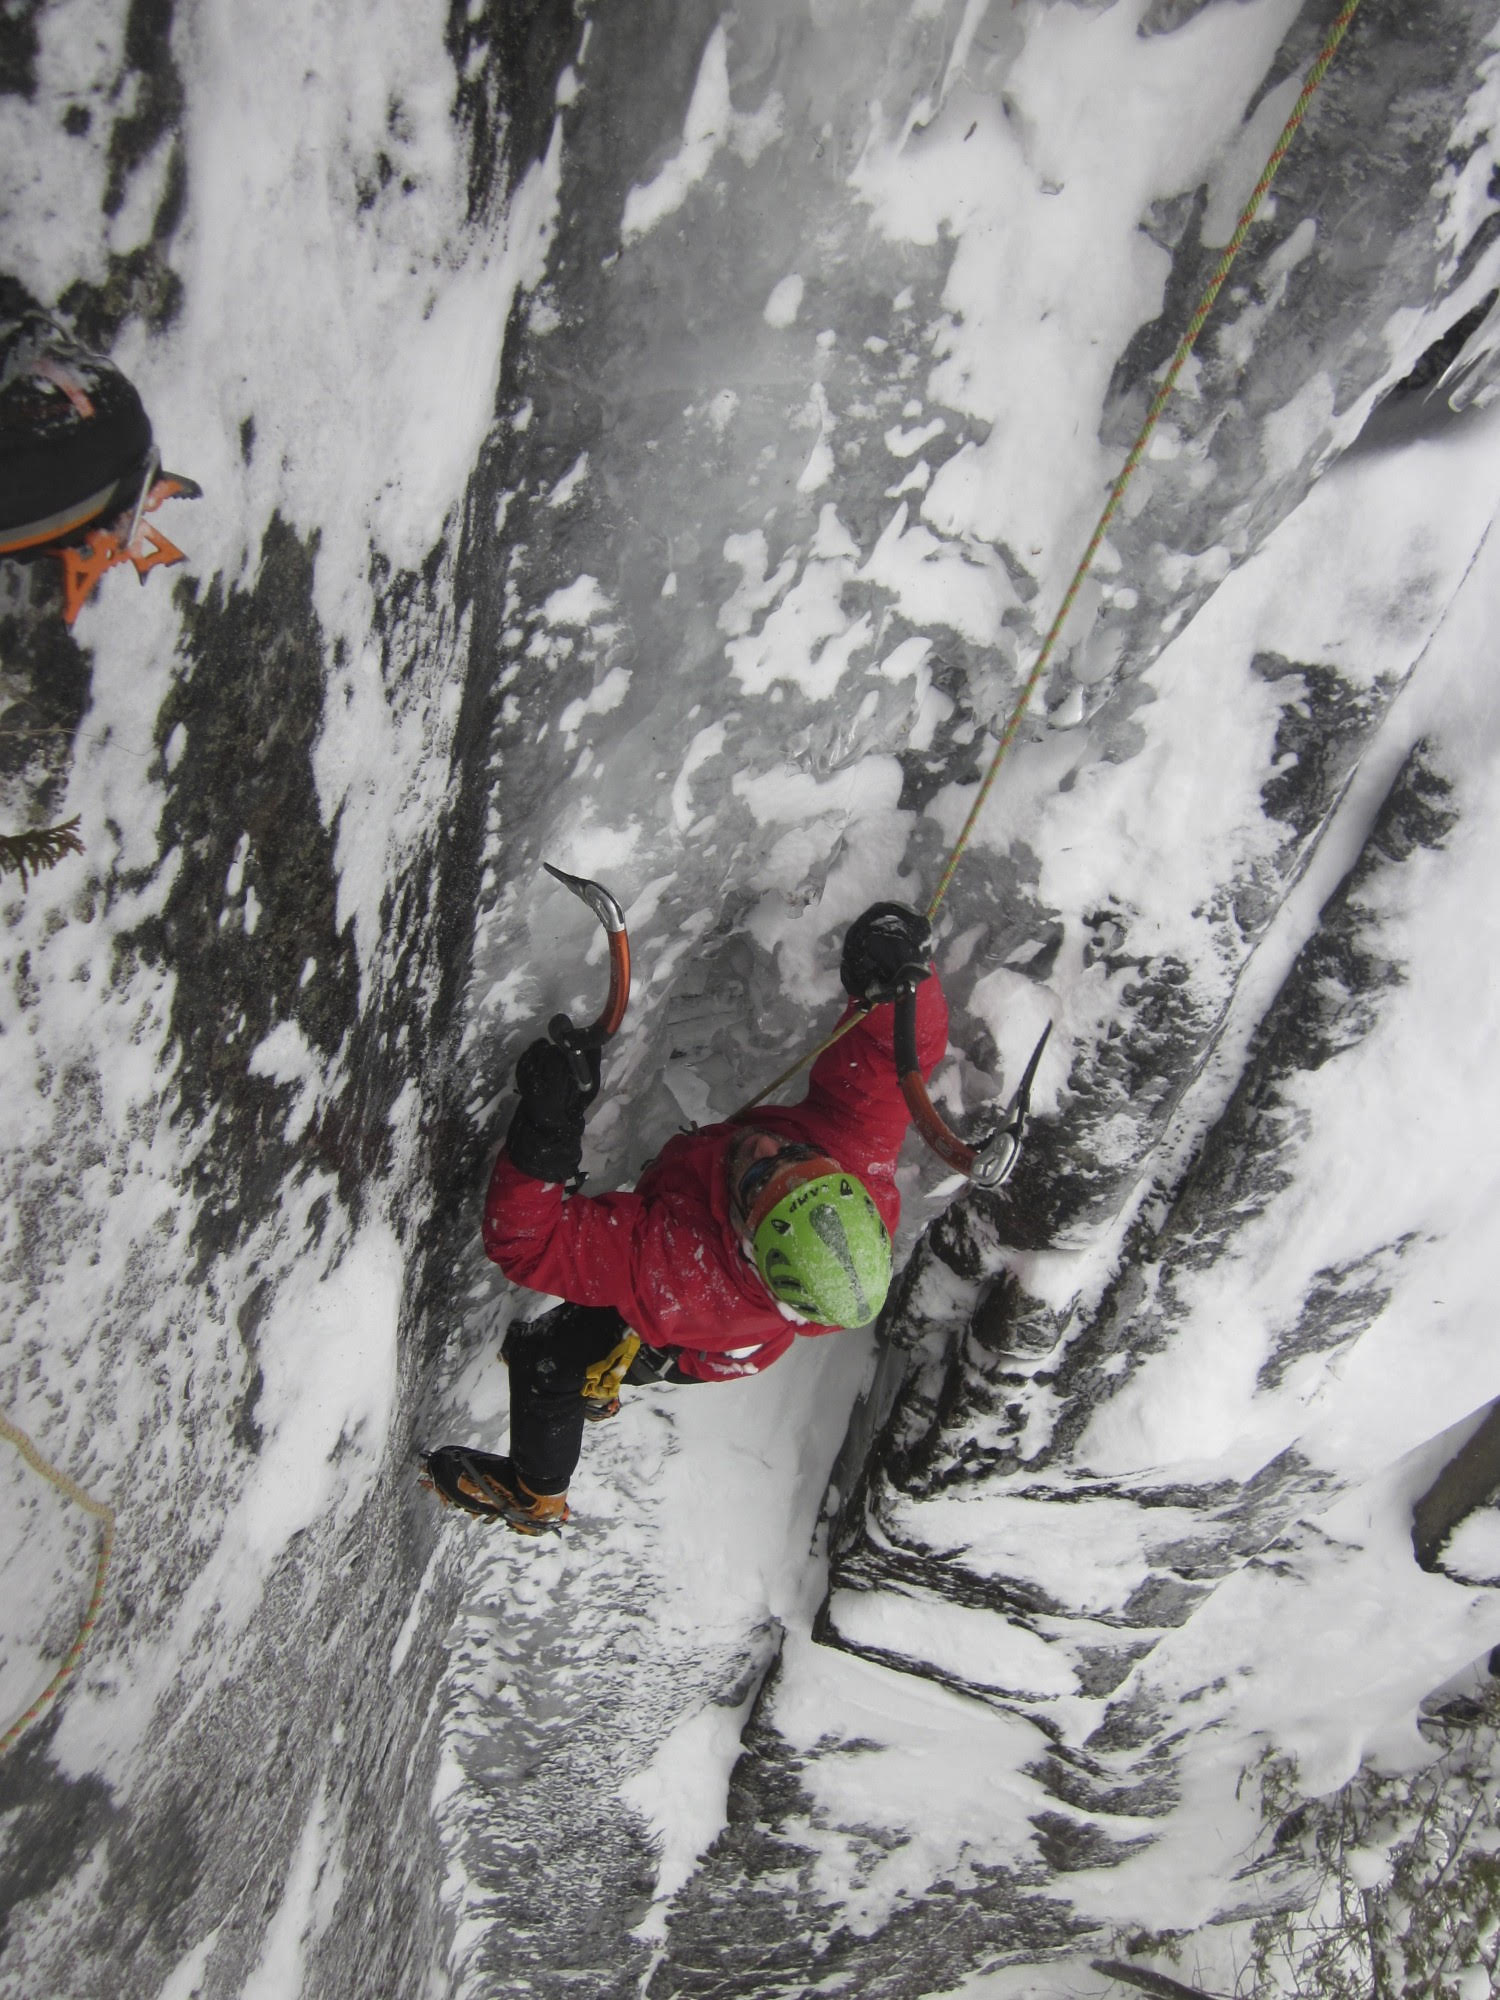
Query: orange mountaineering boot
(490, 1487)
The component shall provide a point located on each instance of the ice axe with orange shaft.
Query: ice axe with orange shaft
(581, 1045)
(990, 1163)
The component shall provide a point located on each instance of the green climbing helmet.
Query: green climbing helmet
(825, 1252)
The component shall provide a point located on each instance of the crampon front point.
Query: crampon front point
(129, 539)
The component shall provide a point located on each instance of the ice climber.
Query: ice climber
(737, 1237)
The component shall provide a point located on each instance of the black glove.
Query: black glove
(546, 1135)
(887, 940)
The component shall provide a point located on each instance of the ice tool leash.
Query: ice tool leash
(990, 1163)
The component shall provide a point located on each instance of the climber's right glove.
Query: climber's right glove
(546, 1134)
(884, 943)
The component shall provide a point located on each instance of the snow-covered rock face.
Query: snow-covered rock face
(220, 1024)
(1105, 1392)
(655, 442)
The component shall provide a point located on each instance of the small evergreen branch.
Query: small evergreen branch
(27, 854)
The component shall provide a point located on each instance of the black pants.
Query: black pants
(548, 1359)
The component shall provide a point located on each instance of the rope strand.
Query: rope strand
(803, 1062)
(105, 1515)
(1137, 451)
(1179, 360)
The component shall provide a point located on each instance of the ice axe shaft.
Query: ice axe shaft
(580, 1042)
(1020, 1103)
(991, 1163)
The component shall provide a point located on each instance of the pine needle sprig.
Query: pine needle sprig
(27, 854)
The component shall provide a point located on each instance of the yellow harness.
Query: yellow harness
(601, 1385)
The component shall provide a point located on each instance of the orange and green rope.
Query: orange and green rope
(1201, 311)
(1137, 451)
(105, 1515)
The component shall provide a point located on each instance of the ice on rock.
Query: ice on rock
(1473, 1550)
(705, 129)
(785, 302)
(576, 603)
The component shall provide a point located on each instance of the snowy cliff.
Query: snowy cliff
(655, 441)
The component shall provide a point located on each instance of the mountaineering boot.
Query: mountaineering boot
(79, 469)
(490, 1487)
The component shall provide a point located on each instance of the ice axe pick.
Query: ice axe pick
(580, 1043)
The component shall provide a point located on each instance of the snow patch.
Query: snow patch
(577, 603)
(683, 1795)
(328, 1355)
(707, 126)
(785, 302)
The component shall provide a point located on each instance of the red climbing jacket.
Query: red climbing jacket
(668, 1257)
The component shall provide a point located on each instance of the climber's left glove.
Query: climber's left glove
(546, 1134)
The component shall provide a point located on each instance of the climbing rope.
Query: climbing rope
(1137, 451)
(849, 1021)
(105, 1515)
